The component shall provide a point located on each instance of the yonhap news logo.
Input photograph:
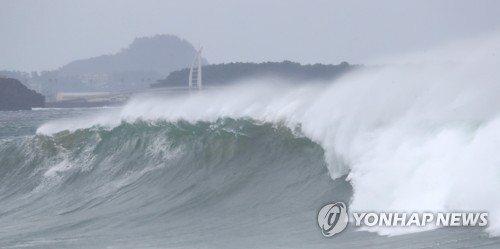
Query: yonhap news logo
(333, 219)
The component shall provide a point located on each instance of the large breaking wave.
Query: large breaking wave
(167, 184)
(409, 137)
(415, 137)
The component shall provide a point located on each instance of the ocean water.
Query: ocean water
(250, 165)
(228, 183)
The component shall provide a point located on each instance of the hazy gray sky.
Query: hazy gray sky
(46, 34)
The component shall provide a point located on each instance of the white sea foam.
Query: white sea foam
(421, 135)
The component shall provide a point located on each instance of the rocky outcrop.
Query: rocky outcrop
(15, 96)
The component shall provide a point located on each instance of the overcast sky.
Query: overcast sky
(46, 34)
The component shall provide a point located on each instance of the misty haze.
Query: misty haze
(249, 124)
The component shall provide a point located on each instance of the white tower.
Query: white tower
(195, 72)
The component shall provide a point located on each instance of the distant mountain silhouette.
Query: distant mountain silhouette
(223, 74)
(145, 61)
(160, 54)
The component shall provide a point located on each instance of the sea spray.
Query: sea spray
(411, 137)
